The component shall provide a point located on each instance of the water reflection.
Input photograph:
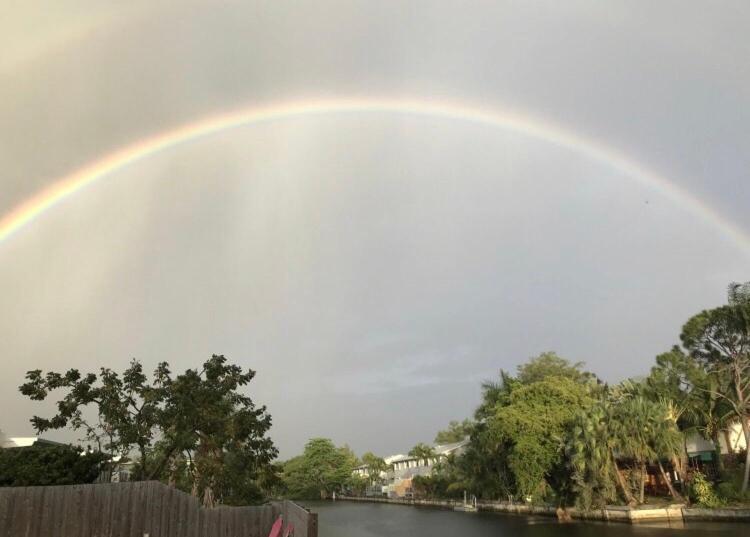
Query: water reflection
(348, 519)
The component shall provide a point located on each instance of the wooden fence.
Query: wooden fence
(137, 509)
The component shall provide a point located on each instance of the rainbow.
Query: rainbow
(75, 182)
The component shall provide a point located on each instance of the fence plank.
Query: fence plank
(17, 521)
(134, 509)
(5, 504)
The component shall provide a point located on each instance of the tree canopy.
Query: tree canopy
(197, 429)
(456, 432)
(48, 465)
(549, 364)
(321, 470)
(719, 339)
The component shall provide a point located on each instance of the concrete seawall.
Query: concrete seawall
(676, 513)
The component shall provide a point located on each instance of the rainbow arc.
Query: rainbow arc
(34, 207)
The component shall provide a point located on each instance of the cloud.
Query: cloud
(375, 269)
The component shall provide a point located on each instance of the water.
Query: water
(349, 519)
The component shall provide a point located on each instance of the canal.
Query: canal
(349, 519)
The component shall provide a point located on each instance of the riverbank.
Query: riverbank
(676, 513)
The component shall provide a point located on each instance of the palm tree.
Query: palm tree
(590, 453)
(666, 439)
(423, 452)
(631, 435)
(646, 431)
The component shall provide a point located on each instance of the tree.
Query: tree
(590, 450)
(208, 430)
(689, 391)
(645, 432)
(375, 466)
(320, 470)
(48, 465)
(549, 364)
(423, 451)
(208, 419)
(720, 340)
(532, 427)
(127, 407)
(495, 394)
(456, 432)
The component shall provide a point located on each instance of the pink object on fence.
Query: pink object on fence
(289, 531)
(276, 528)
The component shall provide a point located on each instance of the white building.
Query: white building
(408, 465)
(403, 468)
(24, 441)
(732, 440)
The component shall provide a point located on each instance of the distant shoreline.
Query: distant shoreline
(675, 513)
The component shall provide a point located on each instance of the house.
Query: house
(409, 465)
(362, 471)
(396, 481)
(701, 455)
(731, 441)
(24, 441)
(403, 468)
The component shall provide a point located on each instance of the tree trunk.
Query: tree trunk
(684, 465)
(728, 442)
(717, 452)
(208, 496)
(746, 430)
(668, 480)
(742, 400)
(642, 497)
(142, 473)
(621, 481)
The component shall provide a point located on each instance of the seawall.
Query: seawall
(676, 513)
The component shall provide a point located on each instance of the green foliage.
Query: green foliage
(375, 465)
(531, 427)
(321, 470)
(702, 492)
(208, 419)
(729, 489)
(437, 486)
(589, 450)
(549, 364)
(212, 438)
(422, 451)
(494, 395)
(719, 339)
(48, 465)
(456, 432)
(127, 407)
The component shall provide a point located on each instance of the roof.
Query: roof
(24, 441)
(444, 449)
(440, 449)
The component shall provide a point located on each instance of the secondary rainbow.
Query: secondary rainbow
(37, 205)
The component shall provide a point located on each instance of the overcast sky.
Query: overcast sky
(372, 268)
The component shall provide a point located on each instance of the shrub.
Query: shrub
(702, 492)
(730, 489)
(48, 465)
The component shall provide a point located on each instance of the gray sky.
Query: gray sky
(373, 268)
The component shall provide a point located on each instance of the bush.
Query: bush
(48, 465)
(730, 489)
(702, 492)
(726, 491)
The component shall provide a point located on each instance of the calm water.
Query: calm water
(349, 519)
